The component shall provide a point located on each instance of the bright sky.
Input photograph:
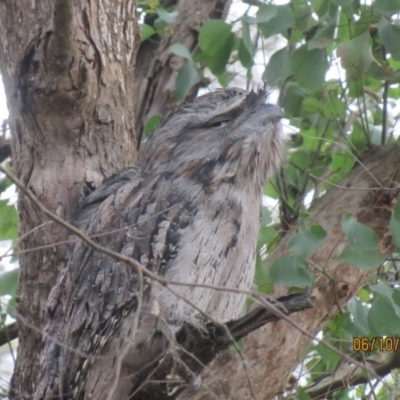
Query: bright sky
(10, 193)
(3, 106)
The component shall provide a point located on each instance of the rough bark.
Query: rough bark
(197, 347)
(346, 374)
(68, 76)
(68, 71)
(157, 67)
(274, 351)
(70, 91)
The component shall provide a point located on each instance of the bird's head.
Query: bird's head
(224, 135)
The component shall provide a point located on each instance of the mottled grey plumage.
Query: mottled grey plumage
(190, 213)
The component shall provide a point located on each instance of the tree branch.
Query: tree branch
(5, 150)
(198, 345)
(5, 144)
(369, 192)
(8, 333)
(350, 375)
(156, 73)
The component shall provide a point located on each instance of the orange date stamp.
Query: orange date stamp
(381, 343)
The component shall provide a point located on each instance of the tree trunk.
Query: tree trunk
(274, 351)
(69, 86)
(157, 67)
(68, 71)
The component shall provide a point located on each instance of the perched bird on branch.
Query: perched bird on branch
(188, 213)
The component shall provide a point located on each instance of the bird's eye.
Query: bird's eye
(219, 124)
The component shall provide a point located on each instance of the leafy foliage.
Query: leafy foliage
(291, 271)
(363, 244)
(8, 267)
(8, 225)
(337, 65)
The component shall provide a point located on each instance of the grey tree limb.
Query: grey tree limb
(369, 192)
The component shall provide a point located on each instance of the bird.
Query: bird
(189, 213)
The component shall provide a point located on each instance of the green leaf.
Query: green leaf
(383, 394)
(363, 243)
(382, 319)
(343, 33)
(334, 108)
(342, 3)
(358, 325)
(283, 20)
(262, 278)
(181, 50)
(291, 271)
(244, 56)
(215, 53)
(160, 25)
(383, 289)
(356, 55)
(168, 17)
(342, 164)
(324, 34)
(329, 357)
(187, 77)
(360, 237)
(361, 260)
(153, 3)
(218, 63)
(270, 189)
(264, 14)
(344, 394)
(267, 235)
(209, 32)
(8, 282)
(278, 67)
(389, 294)
(302, 10)
(390, 36)
(225, 78)
(311, 105)
(311, 140)
(146, 31)
(386, 7)
(300, 159)
(394, 224)
(8, 221)
(293, 95)
(309, 67)
(246, 38)
(396, 299)
(306, 243)
(321, 7)
(358, 136)
(366, 21)
(246, 47)
(302, 394)
(364, 295)
(152, 124)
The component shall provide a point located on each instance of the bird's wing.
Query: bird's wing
(109, 186)
(142, 220)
